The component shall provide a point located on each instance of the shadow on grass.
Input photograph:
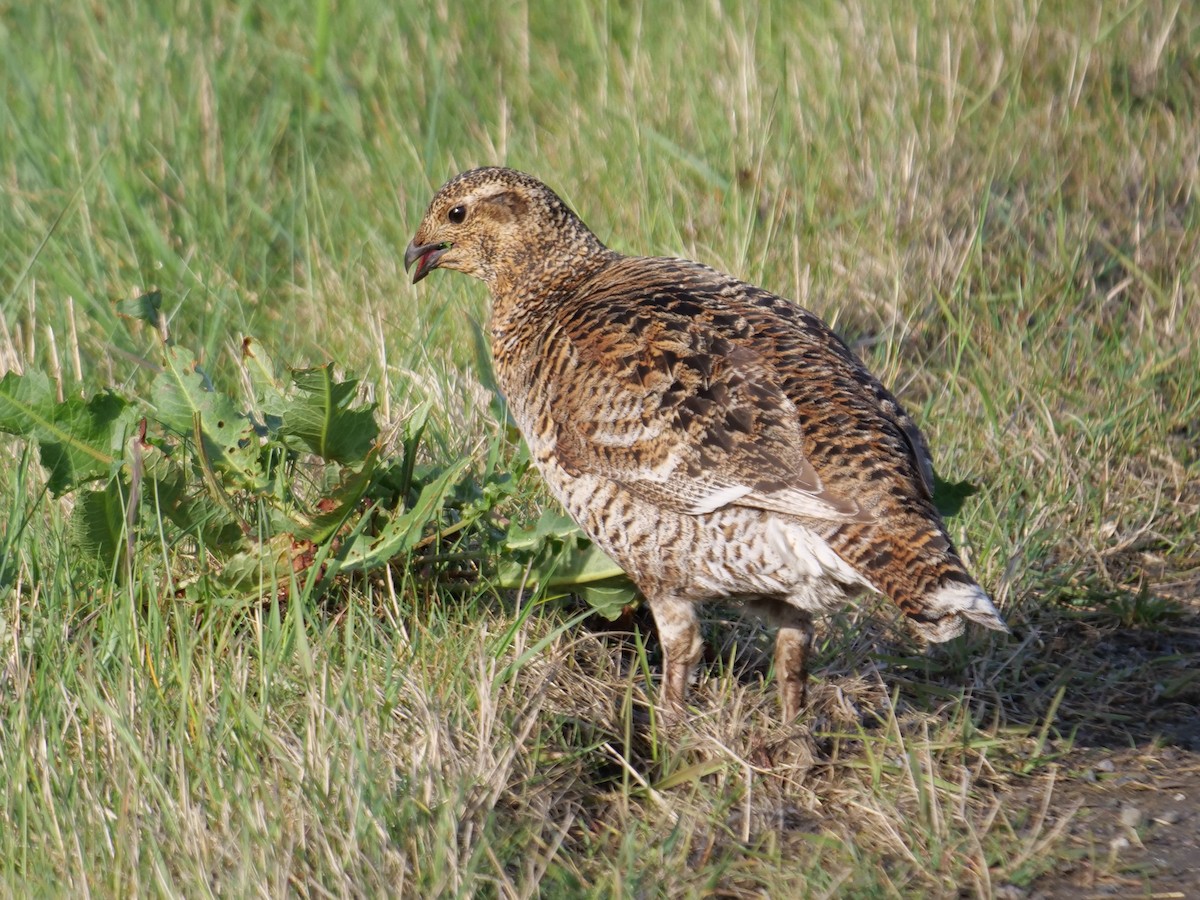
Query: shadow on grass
(1093, 704)
(1125, 666)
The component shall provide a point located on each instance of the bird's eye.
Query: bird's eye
(457, 214)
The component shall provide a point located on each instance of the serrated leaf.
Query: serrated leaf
(322, 418)
(96, 430)
(950, 496)
(164, 477)
(181, 392)
(98, 522)
(169, 492)
(145, 307)
(78, 440)
(261, 568)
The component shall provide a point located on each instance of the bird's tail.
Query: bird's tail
(911, 559)
(946, 609)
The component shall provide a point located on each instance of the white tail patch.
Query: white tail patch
(958, 602)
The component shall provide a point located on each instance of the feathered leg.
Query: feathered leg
(679, 634)
(792, 646)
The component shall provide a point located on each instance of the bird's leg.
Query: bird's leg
(679, 634)
(792, 645)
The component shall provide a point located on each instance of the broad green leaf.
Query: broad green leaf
(322, 419)
(557, 557)
(262, 569)
(551, 525)
(346, 497)
(582, 562)
(610, 599)
(268, 392)
(165, 479)
(78, 440)
(169, 491)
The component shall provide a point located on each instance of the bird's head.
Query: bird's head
(498, 225)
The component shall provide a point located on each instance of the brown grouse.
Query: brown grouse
(717, 441)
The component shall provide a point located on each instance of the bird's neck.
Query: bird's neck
(539, 274)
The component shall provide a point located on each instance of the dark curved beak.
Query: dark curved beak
(426, 257)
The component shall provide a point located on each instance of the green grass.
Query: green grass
(996, 202)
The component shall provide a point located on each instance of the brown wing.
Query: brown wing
(705, 392)
(690, 441)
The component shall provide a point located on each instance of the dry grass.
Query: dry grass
(996, 202)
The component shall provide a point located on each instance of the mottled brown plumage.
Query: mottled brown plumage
(718, 441)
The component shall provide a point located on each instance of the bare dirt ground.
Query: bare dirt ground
(1134, 826)
(1130, 783)
(1117, 785)
(1126, 788)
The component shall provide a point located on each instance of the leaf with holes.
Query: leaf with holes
(183, 394)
